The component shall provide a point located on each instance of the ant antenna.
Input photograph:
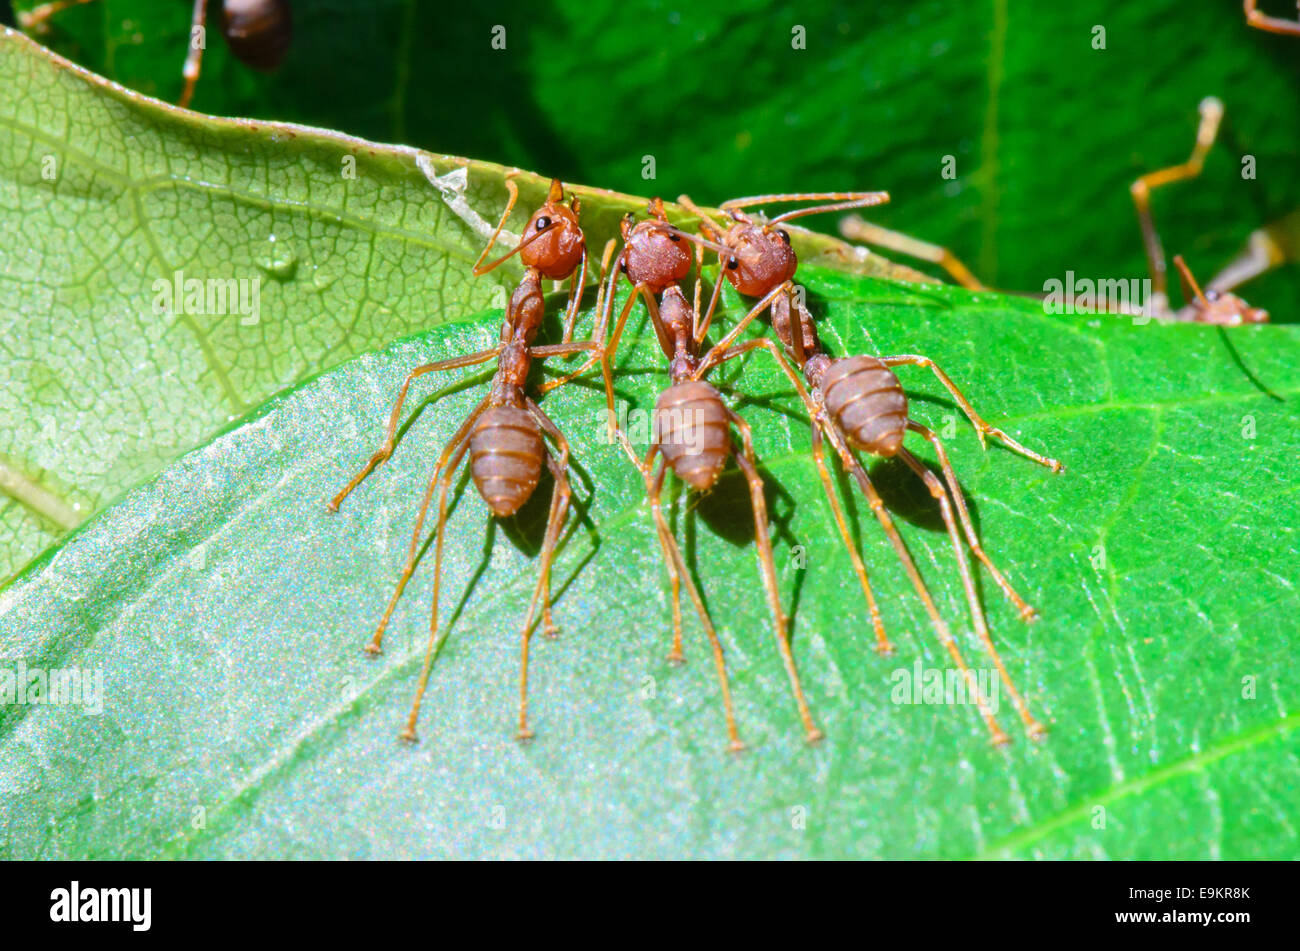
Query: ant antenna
(699, 240)
(705, 220)
(1188, 280)
(875, 198)
(839, 201)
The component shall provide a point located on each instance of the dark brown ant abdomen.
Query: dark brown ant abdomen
(258, 32)
(505, 453)
(866, 401)
(694, 432)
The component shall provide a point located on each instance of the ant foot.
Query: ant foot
(1036, 730)
(736, 746)
(408, 735)
(524, 735)
(675, 656)
(815, 735)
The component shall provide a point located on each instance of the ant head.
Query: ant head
(552, 241)
(655, 253)
(761, 257)
(1216, 307)
(1230, 310)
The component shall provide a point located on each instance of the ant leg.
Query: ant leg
(717, 353)
(559, 509)
(1264, 251)
(577, 284)
(883, 646)
(859, 474)
(882, 640)
(590, 362)
(555, 523)
(678, 574)
(194, 58)
(1211, 110)
(604, 352)
(37, 19)
(561, 349)
(559, 501)
(572, 317)
(767, 568)
(982, 428)
(453, 451)
(598, 329)
(1027, 613)
(702, 323)
(386, 448)
(408, 733)
(1032, 726)
(654, 491)
(857, 229)
(1270, 24)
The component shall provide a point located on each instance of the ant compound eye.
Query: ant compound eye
(733, 263)
(622, 265)
(785, 235)
(674, 237)
(543, 223)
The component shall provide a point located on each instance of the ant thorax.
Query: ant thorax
(760, 259)
(678, 320)
(785, 318)
(526, 310)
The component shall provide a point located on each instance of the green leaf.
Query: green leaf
(105, 193)
(226, 610)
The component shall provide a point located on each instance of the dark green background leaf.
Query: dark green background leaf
(1047, 132)
(226, 610)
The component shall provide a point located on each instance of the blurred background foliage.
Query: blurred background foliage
(1046, 130)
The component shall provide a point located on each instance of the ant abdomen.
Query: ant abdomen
(867, 402)
(506, 453)
(694, 432)
(257, 31)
